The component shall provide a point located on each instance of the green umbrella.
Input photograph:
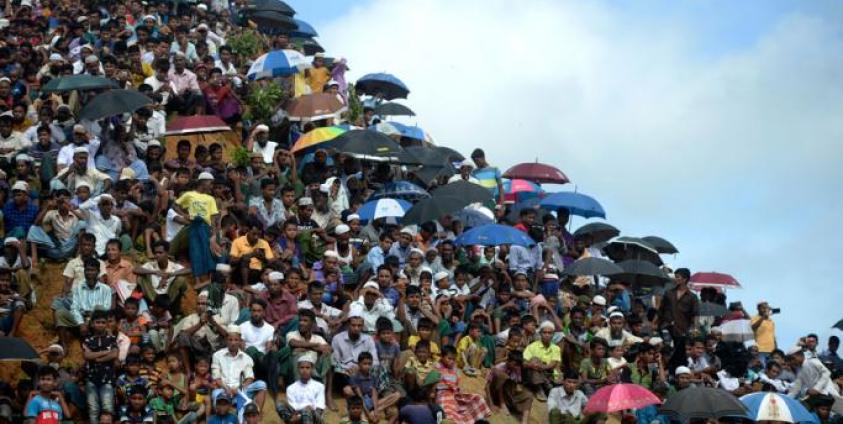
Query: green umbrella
(78, 82)
(114, 102)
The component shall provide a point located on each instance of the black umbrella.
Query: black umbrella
(711, 309)
(433, 208)
(277, 6)
(16, 349)
(599, 231)
(364, 142)
(78, 82)
(423, 155)
(623, 248)
(593, 266)
(427, 174)
(114, 102)
(272, 19)
(661, 245)
(703, 403)
(640, 273)
(839, 325)
(472, 193)
(453, 155)
(393, 109)
(309, 45)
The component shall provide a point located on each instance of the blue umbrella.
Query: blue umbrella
(770, 406)
(409, 131)
(493, 235)
(472, 218)
(575, 203)
(401, 190)
(383, 208)
(304, 30)
(386, 84)
(278, 63)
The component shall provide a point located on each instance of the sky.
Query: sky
(715, 124)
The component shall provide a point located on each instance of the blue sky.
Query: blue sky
(715, 124)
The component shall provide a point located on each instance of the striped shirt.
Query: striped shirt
(86, 299)
(488, 177)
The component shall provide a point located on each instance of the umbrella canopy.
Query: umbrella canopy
(620, 397)
(453, 155)
(272, 19)
(598, 231)
(303, 30)
(364, 142)
(515, 190)
(114, 102)
(623, 248)
(641, 273)
(714, 279)
(423, 155)
(538, 172)
(308, 45)
(474, 216)
(393, 109)
(661, 245)
(514, 214)
(386, 84)
(402, 130)
(383, 208)
(427, 174)
(401, 190)
(576, 203)
(433, 208)
(277, 63)
(770, 406)
(593, 266)
(839, 325)
(737, 330)
(80, 82)
(704, 403)
(196, 124)
(271, 5)
(313, 138)
(494, 235)
(711, 309)
(313, 107)
(16, 349)
(472, 193)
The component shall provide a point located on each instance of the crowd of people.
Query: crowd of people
(200, 290)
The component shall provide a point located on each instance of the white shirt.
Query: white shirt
(327, 311)
(301, 395)
(381, 308)
(155, 280)
(103, 229)
(256, 336)
(268, 151)
(812, 375)
(232, 370)
(65, 157)
(572, 404)
(230, 310)
(172, 226)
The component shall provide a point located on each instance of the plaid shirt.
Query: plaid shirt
(15, 217)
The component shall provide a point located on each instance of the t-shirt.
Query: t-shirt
(172, 226)
(765, 335)
(100, 372)
(488, 177)
(62, 227)
(198, 205)
(163, 406)
(44, 410)
(256, 336)
(240, 247)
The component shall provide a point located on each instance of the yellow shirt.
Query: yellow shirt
(434, 348)
(462, 346)
(198, 204)
(547, 355)
(300, 85)
(317, 78)
(765, 335)
(240, 246)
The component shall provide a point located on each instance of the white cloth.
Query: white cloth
(256, 336)
(572, 404)
(812, 375)
(155, 280)
(327, 311)
(301, 395)
(65, 157)
(267, 151)
(172, 227)
(232, 369)
(103, 229)
(381, 308)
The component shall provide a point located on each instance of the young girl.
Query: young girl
(461, 408)
(618, 364)
(175, 375)
(201, 384)
(132, 324)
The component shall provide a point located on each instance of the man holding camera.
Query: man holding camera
(765, 331)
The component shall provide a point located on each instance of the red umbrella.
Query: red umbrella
(620, 397)
(196, 124)
(537, 172)
(714, 279)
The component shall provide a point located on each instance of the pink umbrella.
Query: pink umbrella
(714, 279)
(512, 190)
(538, 172)
(620, 397)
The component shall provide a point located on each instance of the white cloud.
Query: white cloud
(734, 158)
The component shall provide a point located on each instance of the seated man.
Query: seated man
(84, 300)
(565, 404)
(371, 305)
(200, 333)
(14, 259)
(20, 211)
(81, 171)
(542, 359)
(305, 397)
(96, 212)
(12, 305)
(347, 346)
(504, 389)
(55, 228)
(163, 276)
(250, 253)
(233, 373)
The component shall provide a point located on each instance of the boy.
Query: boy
(48, 405)
(222, 410)
(355, 411)
(136, 411)
(504, 387)
(100, 353)
(418, 366)
(567, 402)
(305, 397)
(470, 352)
(131, 378)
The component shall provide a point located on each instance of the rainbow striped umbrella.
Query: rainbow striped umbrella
(313, 138)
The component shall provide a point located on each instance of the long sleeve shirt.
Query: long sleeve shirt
(86, 299)
(346, 350)
(812, 375)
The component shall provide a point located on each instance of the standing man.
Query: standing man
(201, 209)
(765, 331)
(677, 313)
(813, 377)
(487, 175)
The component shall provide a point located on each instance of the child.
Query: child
(364, 384)
(131, 377)
(48, 405)
(132, 325)
(387, 349)
(305, 397)
(562, 400)
(136, 411)
(160, 329)
(223, 413)
(148, 369)
(177, 378)
(418, 366)
(504, 387)
(100, 353)
(594, 370)
(201, 384)
(617, 363)
(461, 408)
(424, 331)
(355, 411)
(470, 352)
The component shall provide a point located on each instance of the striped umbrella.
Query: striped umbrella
(383, 208)
(313, 138)
(313, 107)
(278, 63)
(517, 189)
(770, 406)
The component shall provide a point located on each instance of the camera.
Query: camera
(775, 311)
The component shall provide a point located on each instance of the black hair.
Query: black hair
(449, 350)
(162, 301)
(307, 313)
(383, 324)
(91, 263)
(354, 401)
(683, 272)
(161, 243)
(99, 314)
(258, 301)
(364, 355)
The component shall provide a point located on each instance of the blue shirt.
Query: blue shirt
(44, 408)
(17, 218)
(225, 419)
(375, 257)
(489, 177)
